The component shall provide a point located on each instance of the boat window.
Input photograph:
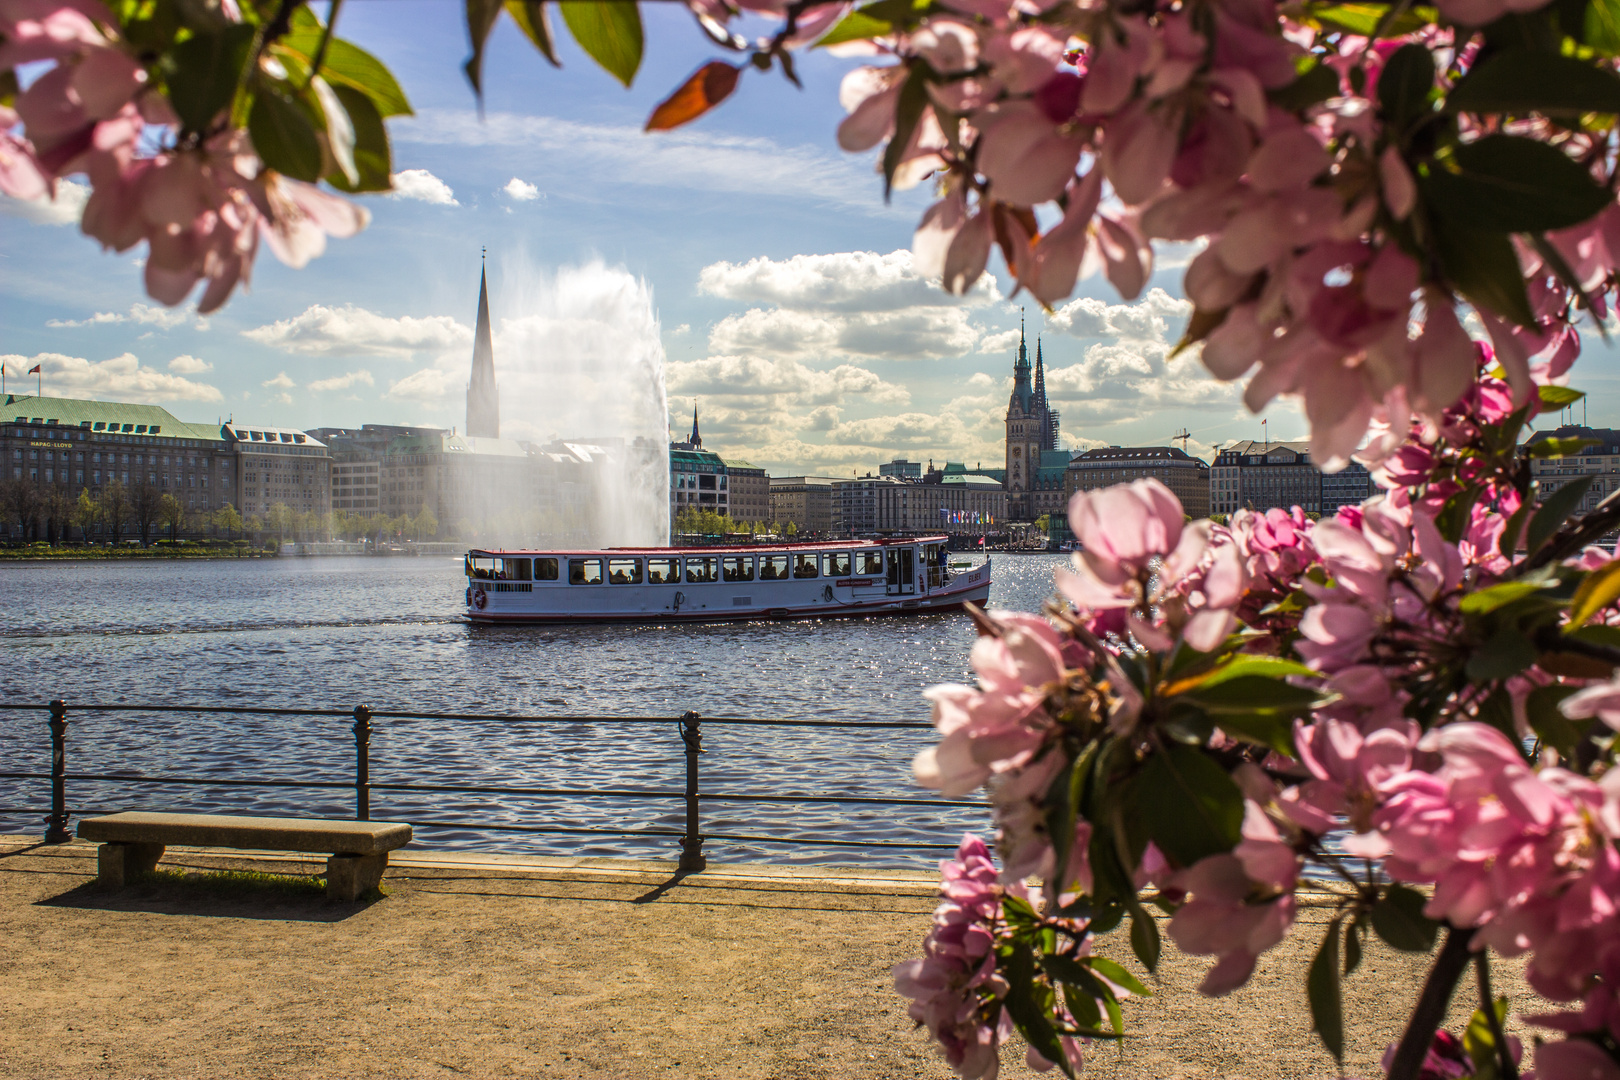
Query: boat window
(701, 569)
(545, 569)
(481, 567)
(773, 568)
(512, 569)
(663, 571)
(737, 567)
(624, 571)
(804, 565)
(835, 564)
(584, 571)
(869, 562)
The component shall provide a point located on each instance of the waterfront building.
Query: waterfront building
(697, 480)
(807, 502)
(280, 466)
(1264, 476)
(471, 485)
(1186, 476)
(1031, 430)
(1601, 461)
(749, 489)
(55, 448)
(905, 470)
(951, 499)
(483, 402)
(857, 500)
(1350, 486)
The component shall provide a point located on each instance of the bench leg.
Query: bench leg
(347, 876)
(117, 863)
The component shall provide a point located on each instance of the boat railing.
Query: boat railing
(352, 772)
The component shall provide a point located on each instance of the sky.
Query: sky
(761, 260)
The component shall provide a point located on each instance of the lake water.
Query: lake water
(386, 632)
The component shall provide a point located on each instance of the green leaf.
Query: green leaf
(1117, 975)
(1314, 86)
(1556, 397)
(1555, 510)
(1596, 591)
(1083, 1007)
(1242, 664)
(1487, 600)
(1559, 448)
(1145, 941)
(530, 15)
(1523, 81)
(373, 157)
(1028, 1016)
(284, 136)
(1404, 86)
(1323, 990)
(1550, 724)
(856, 26)
(1508, 183)
(1364, 20)
(1482, 265)
(1273, 730)
(349, 65)
(1398, 919)
(203, 72)
(1247, 692)
(1479, 1041)
(1603, 26)
(481, 16)
(1506, 653)
(908, 111)
(609, 31)
(1186, 804)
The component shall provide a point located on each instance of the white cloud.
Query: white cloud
(352, 331)
(706, 162)
(738, 377)
(343, 382)
(908, 334)
(980, 380)
(429, 386)
(1004, 342)
(120, 379)
(1130, 380)
(281, 381)
(519, 191)
(423, 186)
(143, 314)
(65, 209)
(847, 281)
(1149, 319)
(189, 365)
(681, 330)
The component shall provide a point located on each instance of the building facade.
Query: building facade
(698, 481)
(1186, 476)
(807, 502)
(905, 470)
(280, 466)
(749, 490)
(1265, 476)
(1600, 461)
(1350, 486)
(1032, 430)
(60, 447)
(858, 502)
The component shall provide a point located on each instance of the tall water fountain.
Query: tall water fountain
(580, 363)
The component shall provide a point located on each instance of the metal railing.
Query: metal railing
(692, 797)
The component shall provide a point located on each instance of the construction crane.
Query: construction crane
(1183, 435)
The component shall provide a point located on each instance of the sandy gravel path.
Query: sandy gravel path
(495, 968)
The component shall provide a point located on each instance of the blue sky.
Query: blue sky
(780, 282)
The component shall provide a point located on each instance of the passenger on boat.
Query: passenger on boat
(576, 574)
(620, 578)
(806, 567)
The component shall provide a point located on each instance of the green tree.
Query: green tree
(145, 505)
(281, 520)
(114, 508)
(227, 520)
(427, 522)
(57, 509)
(171, 512)
(792, 529)
(85, 514)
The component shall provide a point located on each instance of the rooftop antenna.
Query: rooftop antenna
(1266, 434)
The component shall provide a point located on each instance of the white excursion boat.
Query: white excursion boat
(908, 576)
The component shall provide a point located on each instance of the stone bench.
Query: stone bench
(133, 842)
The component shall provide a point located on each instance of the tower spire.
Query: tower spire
(696, 439)
(483, 405)
(1040, 376)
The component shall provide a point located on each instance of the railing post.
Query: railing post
(56, 830)
(362, 763)
(692, 858)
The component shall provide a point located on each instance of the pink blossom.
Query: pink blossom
(1601, 701)
(954, 989)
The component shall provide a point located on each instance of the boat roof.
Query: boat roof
(784, 547)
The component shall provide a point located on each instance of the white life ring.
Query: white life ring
(480, 598)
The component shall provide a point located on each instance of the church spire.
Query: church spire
(696, 440)
(1040, 376)
(1022, 400)
(483, 405)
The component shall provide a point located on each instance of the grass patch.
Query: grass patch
(234, 883)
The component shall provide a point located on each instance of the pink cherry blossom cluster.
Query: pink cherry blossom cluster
(956, 991)
(201, 208)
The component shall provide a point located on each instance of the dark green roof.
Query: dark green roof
(75, 412)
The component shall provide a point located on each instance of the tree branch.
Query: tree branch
(1430, 1009)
